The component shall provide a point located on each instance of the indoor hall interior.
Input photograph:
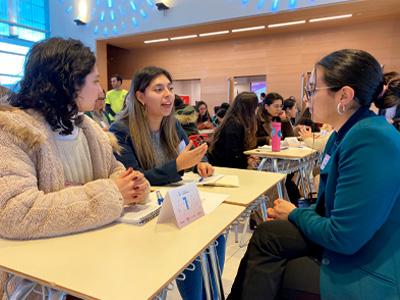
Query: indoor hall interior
(214, 49)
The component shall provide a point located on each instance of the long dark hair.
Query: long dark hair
(135, 116)
(241, 111)
(206, 117)
(55, 70)
(359, 70)
(262, 113)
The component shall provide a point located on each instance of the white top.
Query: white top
(75, 156)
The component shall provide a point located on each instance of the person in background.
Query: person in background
(4, 94)
(204, 118)
(154, 142)
(186, 115)
(305, 119)
(98, 114)
(58, 174)
(271, 108)
(225, 105)
(392, 113)
(220, 116)
(262, 97)
(291, 110)
(348, 242)
(115, 99)
(236, 134)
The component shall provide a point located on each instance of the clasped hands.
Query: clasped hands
(133, 186)
(281, 210)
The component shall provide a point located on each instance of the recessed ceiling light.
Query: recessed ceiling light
(286, 24)
(156, 41)
(214, 33)
(330, 18)
(248, 28)
(183, 37)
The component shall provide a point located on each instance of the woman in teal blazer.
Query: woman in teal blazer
(347, 246)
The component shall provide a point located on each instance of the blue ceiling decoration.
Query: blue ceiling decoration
(108, 17)
(275, 5)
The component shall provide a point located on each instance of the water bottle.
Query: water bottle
(276, 135)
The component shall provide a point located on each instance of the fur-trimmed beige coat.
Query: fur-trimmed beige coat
(33, 200)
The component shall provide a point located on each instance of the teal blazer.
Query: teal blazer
(357, 216)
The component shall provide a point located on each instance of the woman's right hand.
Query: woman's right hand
(131, 186)
(189, 158)
(305, 132)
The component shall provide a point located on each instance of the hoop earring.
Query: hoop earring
(340, 111)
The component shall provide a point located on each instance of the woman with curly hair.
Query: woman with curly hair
(58, 174)
(64, 176)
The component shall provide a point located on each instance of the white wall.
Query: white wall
(189, 88)
(182, 13)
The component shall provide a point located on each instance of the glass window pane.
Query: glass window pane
(11, 64)
(4, 29)
(9, 81)
(30, 35)
(13, 48)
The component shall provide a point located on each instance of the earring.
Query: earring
(340, 108)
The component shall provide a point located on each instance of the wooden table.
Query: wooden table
(119, 261)
(304, 157)
(294, 153)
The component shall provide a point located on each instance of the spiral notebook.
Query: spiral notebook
(140, 214)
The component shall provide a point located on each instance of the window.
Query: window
(22, 22)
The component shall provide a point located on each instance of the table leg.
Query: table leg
(205, 274)
(245, 225)
(263, 208)
(261, 165)
(303, 185)
(217, 272)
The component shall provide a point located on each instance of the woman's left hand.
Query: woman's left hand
(205, 169)
(281, 210)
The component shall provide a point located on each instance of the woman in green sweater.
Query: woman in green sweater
(348, 243)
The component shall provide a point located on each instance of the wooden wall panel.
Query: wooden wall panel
(281, 57)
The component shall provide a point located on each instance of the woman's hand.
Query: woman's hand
(132, 185)
(281, 210)
(305, 132)
(252, 162)
(189, 158)
(205, 169)
(141, 188)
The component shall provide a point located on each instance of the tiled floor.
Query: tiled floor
(233, 256)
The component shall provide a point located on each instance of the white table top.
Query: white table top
(119, 261)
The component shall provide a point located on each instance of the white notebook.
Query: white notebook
(215, 180)
(140, 214)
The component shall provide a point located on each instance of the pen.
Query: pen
(160, 198)
(201, 179)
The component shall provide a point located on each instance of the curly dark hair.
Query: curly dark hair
(55, 70)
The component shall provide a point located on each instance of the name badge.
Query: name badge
(325, 161)
(182, 205)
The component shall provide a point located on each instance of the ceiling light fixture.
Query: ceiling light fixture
(286, 24)
(214, 33)
(330, 18)
(248, 28)
(183, 37)
(156, 41)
